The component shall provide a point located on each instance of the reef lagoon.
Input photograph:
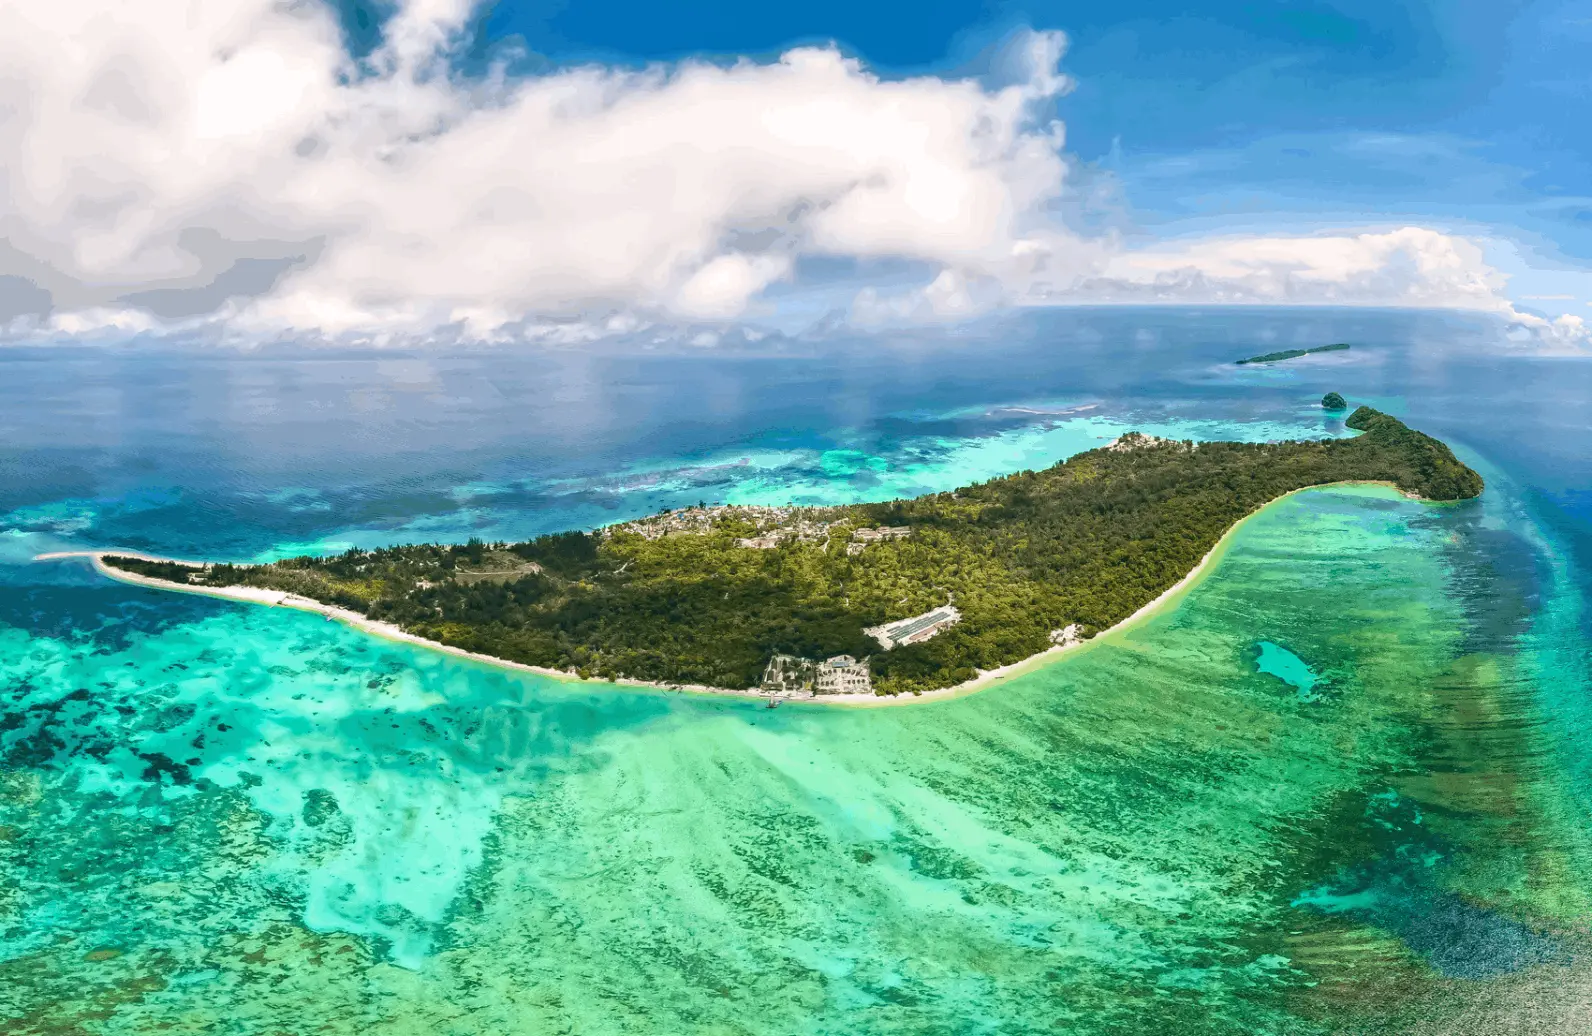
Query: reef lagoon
(1340, 785)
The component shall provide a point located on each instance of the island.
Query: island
(1290, 354)
(902, 597)
(1333, 401)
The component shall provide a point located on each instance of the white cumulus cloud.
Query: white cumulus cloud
(232, 162)
(231, 166)
(1413, 267)
(1407, 266)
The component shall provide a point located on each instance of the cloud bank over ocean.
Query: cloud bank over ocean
(236, 172)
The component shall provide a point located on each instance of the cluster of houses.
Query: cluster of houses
(860, 538)
(776, 525)
(688, 521)
(802, 531)
(806, 532)
(790, 674)
(1128, 441)
(699, 521)
(842, 674)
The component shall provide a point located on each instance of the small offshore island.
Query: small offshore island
(900, 597)
(1293, 354)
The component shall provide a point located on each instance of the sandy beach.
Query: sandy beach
(386, 630)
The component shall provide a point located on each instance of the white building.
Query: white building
(788, 674)
(916, 629)
(843, 674)
(883, 532)
(1067, 636)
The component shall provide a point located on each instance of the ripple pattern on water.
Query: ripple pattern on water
(255, 819)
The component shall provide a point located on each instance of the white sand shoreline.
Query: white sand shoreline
(388, 631)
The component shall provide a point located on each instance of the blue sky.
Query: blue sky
(563, 171)
(1155, 78)
(1229, 114)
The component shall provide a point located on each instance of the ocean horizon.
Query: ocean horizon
(1340, 786)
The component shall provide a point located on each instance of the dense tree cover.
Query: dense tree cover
(170, 571)
(1333, 401)
(1088, 541)
(1289, 354)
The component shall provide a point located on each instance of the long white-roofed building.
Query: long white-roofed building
(916, 629)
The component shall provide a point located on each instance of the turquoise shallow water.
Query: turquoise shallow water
(255, 818)
(1341, 788)
(1287, 667)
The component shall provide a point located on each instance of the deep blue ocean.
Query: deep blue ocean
(253, 456)
(238, 455)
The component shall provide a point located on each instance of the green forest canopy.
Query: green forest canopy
(1088, 541)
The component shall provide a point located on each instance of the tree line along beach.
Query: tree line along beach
(707, 597)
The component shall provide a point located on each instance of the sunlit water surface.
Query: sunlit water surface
(1342, 786)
